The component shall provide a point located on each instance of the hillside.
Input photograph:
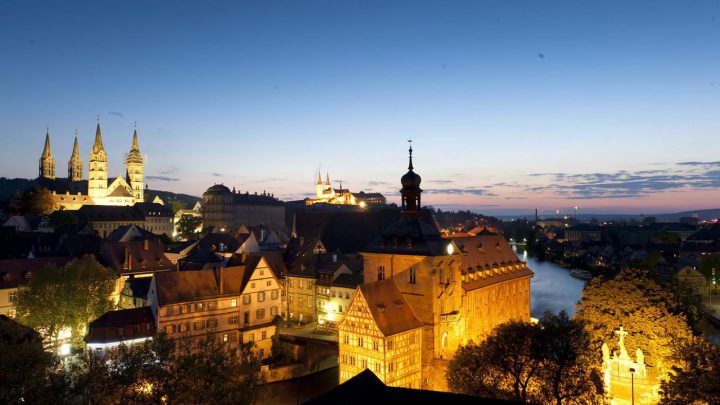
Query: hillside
(174, 200)
(8, 187)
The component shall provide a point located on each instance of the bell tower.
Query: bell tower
(98, 168)
(75, 165)
(135, 169)
(47, 162)
(410, 191)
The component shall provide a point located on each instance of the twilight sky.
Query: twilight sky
(511, 105)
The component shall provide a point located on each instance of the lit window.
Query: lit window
(12, 296)
(233, 302)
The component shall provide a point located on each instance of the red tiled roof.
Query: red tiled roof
(388, 307)
(14, 272)
(122, 325)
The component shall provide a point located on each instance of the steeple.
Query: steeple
(98, 168)
(47, 162)
(410, 191)
(319, 178)
(75, 165)
(327, 179)
(135, 168)
(98, 145)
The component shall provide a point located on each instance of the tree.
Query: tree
(551, 362)
(503, 366)
(24, 365)
(569, 372)
(37, 201)
(212, 373)
(69, 297)
(635, 301)
(697, 379)
(187, 226)
(153, 372)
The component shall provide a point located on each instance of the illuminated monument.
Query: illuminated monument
(73, 192)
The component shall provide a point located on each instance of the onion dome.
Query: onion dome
(410, 180)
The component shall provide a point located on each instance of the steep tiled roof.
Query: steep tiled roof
(17, 272)
(410, 237)
(141, 256)
(134, 323)
(389, 309)
(194, 285)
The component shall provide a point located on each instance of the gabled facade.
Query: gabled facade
(382, 333)
(235, 304)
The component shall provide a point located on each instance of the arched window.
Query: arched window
(444, 340)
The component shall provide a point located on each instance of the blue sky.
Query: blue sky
(511, 105)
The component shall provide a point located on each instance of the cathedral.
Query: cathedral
(325, 193)
(73, 192)
(424, 295)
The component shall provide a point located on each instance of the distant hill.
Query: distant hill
(173, 200)
(701, 214)
(8, 187)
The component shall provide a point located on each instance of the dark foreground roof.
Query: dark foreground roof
(365, 388)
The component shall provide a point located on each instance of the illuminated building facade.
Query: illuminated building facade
(382, 333)
(460, 289)
(235, 304)
(73, 192)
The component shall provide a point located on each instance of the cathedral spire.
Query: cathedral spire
(98, 138)
(327, 179)
(47, 151)
(47, 162)
(135, 146)
(319, 182)
(75, 165)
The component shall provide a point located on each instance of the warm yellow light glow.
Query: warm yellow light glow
(450, 249)
(363, 204)
(64, 349)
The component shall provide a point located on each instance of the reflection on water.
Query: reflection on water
(552, 288)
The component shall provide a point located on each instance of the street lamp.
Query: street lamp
(632, 385)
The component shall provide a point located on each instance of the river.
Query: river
(552, 288)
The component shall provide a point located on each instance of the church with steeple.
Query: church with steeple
(73, 192)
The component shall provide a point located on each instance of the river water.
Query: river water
(552, 288)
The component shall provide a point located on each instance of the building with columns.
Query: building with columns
(73, 192)
(459, 289)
